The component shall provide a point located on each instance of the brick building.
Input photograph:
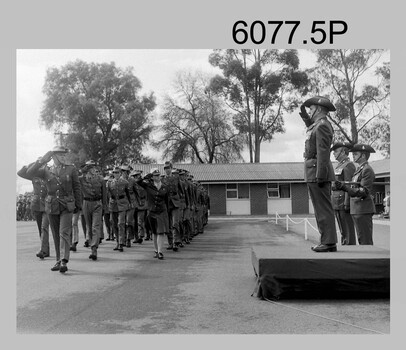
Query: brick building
(263, 188)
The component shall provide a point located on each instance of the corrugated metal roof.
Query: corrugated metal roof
(249, 172)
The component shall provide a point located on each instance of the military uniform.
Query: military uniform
(362, 206)
(141, 207)
(118, 204)
(94, 198)
(319, 172)
(63, 197)
(38, 209)
(340, 199)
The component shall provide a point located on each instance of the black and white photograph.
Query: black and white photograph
(206, 187)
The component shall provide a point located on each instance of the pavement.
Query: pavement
(204, 289)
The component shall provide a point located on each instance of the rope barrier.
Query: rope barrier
(305, 220)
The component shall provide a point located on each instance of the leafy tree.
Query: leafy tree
(362, 108)
(260, 85)
(197, 127)
(99, 107)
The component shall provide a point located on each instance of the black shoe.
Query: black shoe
(41, 255)
(56, 267)
(169, 247)
(93, 256)
(120, 249)
(108, 239)
(100, 240)
(175, 248)
(155, 254)
(63, 268)
(86, 245)
(73, 248)
(117, 247)
(323, 248)
(139, 240)
(187, 241)
(180, 245)
(128, 245)
(147, 239)
(160, 256)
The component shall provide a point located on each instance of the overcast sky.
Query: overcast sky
(155, 69)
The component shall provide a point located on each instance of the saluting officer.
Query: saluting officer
(340, 199)
(38, 209)
(362, 205)
(62, 200)
(118, 205)
(319, 171)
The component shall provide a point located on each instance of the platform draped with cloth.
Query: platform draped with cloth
(285, 272)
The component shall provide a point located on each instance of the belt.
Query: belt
(119, 197)
(92, 199)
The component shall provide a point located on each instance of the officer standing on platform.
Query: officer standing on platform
(362, 205)
(319, 172)
(38, 209)
(62, 200)
(339, 198)
(94, 198)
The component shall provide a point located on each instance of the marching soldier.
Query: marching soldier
(38, 209)
(94, 198)
(319, 171)
(185, 202)
(141, 205)
(339, 198)
(174, 189)
(62, 200)
(362, 205)
(106, 212)
(118, 205)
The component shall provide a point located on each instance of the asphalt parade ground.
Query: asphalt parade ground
(204, 288)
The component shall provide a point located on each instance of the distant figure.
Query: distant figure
(386, 204)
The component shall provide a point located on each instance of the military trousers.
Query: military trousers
(118, 225)
(61, 227)
(44, 233)
(323, 211)
(346, 226)
(174, 234)
(364, 226)
(199, 218)
(92, 211)
(141, 214)
(75, 227)
(187, 226)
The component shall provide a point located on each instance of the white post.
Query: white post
(287, 222)
(305, 229)
(276, 218)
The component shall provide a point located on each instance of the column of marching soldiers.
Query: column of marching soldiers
(129, 206)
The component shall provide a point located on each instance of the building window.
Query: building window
(276, 190)
(238, 191)
(378, 198)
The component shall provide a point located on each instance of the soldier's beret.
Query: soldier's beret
(60, 149)
(341, 144)
(167, 165)
(320, 101)
(362, 147)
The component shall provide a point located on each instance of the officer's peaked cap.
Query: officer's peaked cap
(167, 165)
(362, 147)
(320, 101)
(136, 172)
(155, 171)
(60, 149)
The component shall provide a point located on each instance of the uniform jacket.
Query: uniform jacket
(63, 186)
(141, 197)
(119, 194)
(40, 190)
(94, 188)
(174, 190)
(158, 199)
(317, 151)
(184, 195)
(131, 189)
(344, 171)
(361, 201)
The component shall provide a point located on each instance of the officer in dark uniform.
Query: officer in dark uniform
(340, 199)
(62, 200)
(141, 206)
(318, 171)
(362, 205)
(38, 209)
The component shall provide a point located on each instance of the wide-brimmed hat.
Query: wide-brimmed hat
(60, 149)
(362, 147)
(320, 101)
(341, 144)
